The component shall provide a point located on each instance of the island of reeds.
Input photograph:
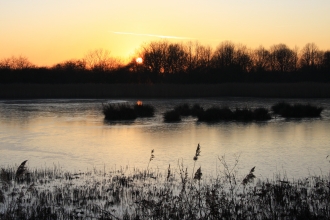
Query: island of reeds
(296, 110)
(217, 114)
(178, 192)
(214, 114)
(125, 111)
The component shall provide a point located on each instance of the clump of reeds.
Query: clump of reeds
(172, 116)
(296, 110)
(125, 111)
(215, 114)
(182, 110)
(118, 112)
(144, 110)
(196, 110)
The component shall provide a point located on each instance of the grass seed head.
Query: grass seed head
(198, 151)
(21, 169)
(198, 174)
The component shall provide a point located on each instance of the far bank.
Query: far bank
(82, 91)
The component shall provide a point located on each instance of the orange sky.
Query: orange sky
(48, 32)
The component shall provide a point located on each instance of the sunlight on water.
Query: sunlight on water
(73, 134)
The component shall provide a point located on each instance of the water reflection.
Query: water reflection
(74, 134)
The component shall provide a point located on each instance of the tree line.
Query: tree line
(192, 62)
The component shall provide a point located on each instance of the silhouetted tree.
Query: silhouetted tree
(203, 57)
(242, 59)
(282, 58)
(326, 61)
(224, 55)
(100, 60)
(231, 57)
(261, 59)
(310, 57)
(71, 65)
(16, 63)
(199, 57)
(154, 56)
(175, 59)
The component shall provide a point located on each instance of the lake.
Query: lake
(73, 134)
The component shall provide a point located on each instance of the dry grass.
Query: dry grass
(131, 194)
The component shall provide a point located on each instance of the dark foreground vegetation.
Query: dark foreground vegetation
(296, 110)
(216, 114)
(190, 63)
(127, 112)
(175, 193)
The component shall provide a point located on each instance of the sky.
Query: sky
(52, 31)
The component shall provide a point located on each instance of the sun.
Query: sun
(139, 60)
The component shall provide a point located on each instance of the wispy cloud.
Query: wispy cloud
(153, 35)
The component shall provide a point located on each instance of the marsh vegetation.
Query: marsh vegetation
(178, 192)
(125, 111)
(217, 114)
(296, 110)
(212, 114)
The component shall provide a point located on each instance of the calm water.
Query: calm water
(74, 135)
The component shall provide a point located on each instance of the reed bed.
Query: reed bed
(118, 112)
(144, 110)
(216, 114)
(296, 110)
(127, 112)
(175, 193)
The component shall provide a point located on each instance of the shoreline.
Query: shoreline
(81, 91)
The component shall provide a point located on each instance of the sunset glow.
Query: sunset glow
(49, 32)
(139, 60)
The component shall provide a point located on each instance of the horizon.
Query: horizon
(51, 32)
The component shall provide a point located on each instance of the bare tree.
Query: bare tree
(261, 59)
(282, 58)
(326, 60)
(242, 58)
(16, 63)
(224, 55)
(101, 60)
(71, 65)
(202, 56)
(176, 60)
(310, 57)
(232, 57)
(154, 56)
